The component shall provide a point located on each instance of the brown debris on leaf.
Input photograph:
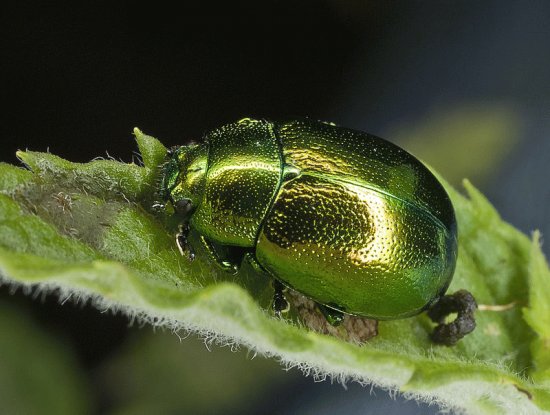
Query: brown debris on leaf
(352, 329)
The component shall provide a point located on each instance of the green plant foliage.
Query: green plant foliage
(86, 231)
(468, 139)
(38, 374)
(199, 381)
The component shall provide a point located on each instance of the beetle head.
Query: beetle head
(183, 178)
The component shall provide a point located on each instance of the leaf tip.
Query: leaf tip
(479, 200)
(24, 157)
(536, 237)
(152, 150)
(467, 184)
(20, 154)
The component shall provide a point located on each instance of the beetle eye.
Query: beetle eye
(183, 207)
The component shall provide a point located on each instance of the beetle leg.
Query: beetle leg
(280, 304)
(464, 304)
(334, 317)
(223, 263)
(251, 259)
(183, 243)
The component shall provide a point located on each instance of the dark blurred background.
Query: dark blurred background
(464, 85)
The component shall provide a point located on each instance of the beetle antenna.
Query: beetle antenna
(170, 152)
(464, 305)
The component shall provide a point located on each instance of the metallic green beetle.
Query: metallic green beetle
(348, 219)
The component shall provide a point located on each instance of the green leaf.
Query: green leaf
(38, 373)
(11, 177)
(126, 378)
(470, 138)
(537, 314)
(87, 230)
